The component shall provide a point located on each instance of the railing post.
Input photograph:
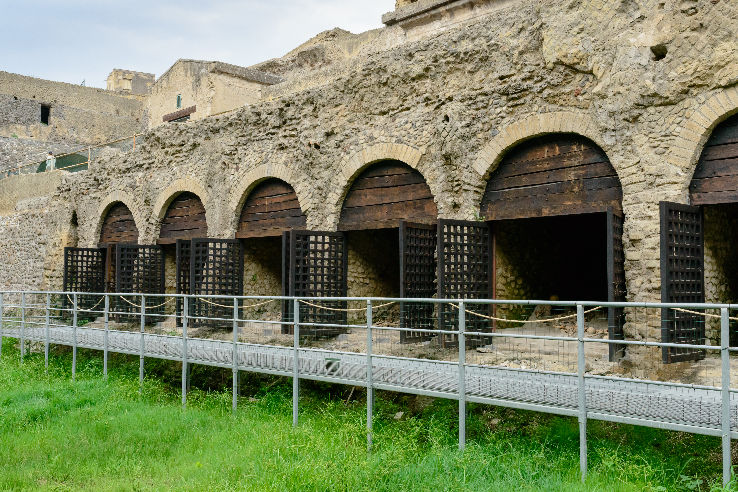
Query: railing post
(74, 336)
(462, 376)
(185, 316)
(106, 341)
(47, 321)
(581, 361)
(141, 359)
(23, 326)
(369, 378)
(296, 364)
(235, 353)
(725, 357)
(1, 324)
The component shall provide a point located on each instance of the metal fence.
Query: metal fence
(550, 357)
(78, 160)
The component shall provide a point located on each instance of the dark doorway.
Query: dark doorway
(559, 258)
(556, 206)
(714, 187)
(45, 114)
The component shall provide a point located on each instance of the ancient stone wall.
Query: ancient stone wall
(647, 81)
(77, 114)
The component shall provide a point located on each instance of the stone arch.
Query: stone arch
(555, 201)
(698, 127)
(175, 189)
(251, 180)
(354, 165)
(551, 175)
(384, 194)
(531, 127)
(118, 196)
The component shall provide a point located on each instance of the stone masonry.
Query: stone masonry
(645, 80)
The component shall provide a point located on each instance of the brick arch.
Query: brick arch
(533, 126)
(171, 193)
(699, 124)
(255, 177)
(357, 163)
(109, 202)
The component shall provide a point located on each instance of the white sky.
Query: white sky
(76, 40)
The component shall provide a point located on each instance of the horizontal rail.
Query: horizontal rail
(499, 302)
(708, 409)
(86, 149)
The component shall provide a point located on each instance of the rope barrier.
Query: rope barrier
(505, 320)
(148, 307)
(706, 315)
(346, 310)
(87, 310)
(231, 306)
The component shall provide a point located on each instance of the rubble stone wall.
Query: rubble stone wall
(647, 81)
(83, 115)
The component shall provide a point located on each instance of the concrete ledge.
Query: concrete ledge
(420, 8)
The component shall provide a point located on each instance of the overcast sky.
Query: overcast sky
(76, 40)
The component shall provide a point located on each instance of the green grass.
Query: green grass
(97, 435)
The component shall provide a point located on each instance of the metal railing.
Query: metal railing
(552, 359)
(75, 161)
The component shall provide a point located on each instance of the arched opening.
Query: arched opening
(270, 209)
(183, 221)
(380, 199)
(118, 226)
(714, 192)
(555, 208)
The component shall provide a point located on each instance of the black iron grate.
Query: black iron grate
(183, 253)
(318, 268)
(84, 271)
(616, 283)
(418, 244)
(464, 272)
(682, 279)
(216, 269)
(139, 269)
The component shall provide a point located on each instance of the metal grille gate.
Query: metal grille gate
(318, 268)
(183, 273)
(109, 266)
(418, 243)
(84, 271)
(682, 279)
(139, 269)
(464, 272)
(615, 283)
(287, 306)
(216, 269)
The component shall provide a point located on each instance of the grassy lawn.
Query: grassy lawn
(96, 435)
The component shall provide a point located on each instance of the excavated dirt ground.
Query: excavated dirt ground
(532, 354)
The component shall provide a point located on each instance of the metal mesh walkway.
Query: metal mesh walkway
(607, 397)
